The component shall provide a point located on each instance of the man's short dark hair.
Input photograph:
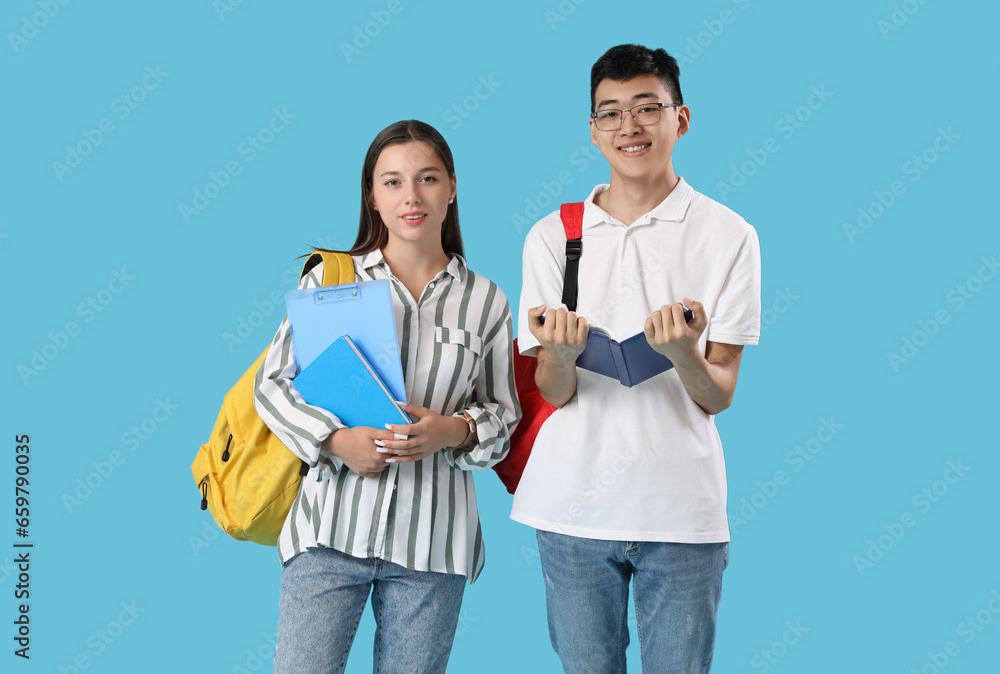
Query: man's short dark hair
(626, 61)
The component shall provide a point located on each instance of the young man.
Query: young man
(628, 484)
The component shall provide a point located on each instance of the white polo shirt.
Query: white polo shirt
(642, 463)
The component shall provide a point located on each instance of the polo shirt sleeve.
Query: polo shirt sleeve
(736, 315)
(300, 427)
(544, 261)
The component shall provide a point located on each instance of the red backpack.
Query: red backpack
(534, 409)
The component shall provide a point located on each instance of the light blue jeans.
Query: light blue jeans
(323, 594)
(677, 587)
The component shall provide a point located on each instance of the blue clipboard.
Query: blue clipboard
(363, 310)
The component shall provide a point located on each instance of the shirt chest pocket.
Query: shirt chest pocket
(461, 354)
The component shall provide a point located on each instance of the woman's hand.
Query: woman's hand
(357, 448)
(430, 433)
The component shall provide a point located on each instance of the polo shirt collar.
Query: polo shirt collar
(456, 266)
(671, 209)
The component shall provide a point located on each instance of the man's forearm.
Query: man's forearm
(556, 381)
(711, 385)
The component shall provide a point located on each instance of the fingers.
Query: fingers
(564, 327)
(677, 317)
(555, 323)
(413, 410)
(666, 324)
(535, 326)
(535, 313)
(408, 458)
(393, 452)
(413, 445)
(658, 322)
(648, 329)
(693, 305)
(401, 431)
(700, 319)
(669, 319)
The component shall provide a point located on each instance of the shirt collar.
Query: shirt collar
(456, 266)
(671, 209)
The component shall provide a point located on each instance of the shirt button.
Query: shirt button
(628, 252)
(431, 284)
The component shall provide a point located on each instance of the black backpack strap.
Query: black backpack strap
(572, 219)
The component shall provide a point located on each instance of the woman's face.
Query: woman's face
(411, 189)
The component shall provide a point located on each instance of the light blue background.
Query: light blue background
(848, 300)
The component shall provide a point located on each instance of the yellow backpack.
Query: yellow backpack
(247, 478)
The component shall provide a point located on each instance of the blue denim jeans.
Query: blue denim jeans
(676, 586)
(323, 594)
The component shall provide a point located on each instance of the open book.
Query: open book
(342, 381)
(631, 361)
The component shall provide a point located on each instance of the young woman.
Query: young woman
(377, 514)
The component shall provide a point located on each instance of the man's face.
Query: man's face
(638, 152)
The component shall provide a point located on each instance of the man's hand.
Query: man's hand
(669, 334)
(356, 447)
(430, 433)
(563, 335)
(709, 379)
(562, 338)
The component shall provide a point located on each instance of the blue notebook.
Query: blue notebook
(342, 381)
(631, 362)
(362, 310)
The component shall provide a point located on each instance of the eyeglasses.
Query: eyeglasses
(643, 115)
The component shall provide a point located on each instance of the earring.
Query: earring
(451, 201)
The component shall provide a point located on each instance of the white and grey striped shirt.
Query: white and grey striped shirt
(455, 346)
